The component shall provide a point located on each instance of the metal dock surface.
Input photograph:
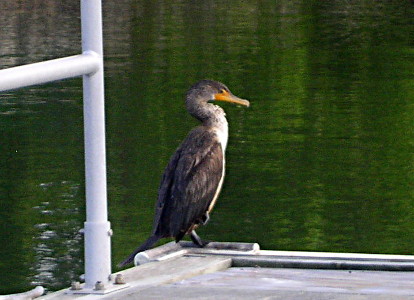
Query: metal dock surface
(242, 271)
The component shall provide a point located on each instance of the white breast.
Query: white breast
(223, 135)
(221, 127)
(222, 132)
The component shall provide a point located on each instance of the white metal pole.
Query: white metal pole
(97, 228)
(46, 71)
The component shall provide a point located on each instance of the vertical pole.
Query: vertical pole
(97, 228)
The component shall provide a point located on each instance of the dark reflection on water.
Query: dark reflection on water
(321, 161)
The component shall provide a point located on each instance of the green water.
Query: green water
(321, 161)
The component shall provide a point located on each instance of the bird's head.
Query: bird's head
(206, 91)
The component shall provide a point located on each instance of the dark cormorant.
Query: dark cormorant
(193, 178)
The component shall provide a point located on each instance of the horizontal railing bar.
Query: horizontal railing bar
(48, 71)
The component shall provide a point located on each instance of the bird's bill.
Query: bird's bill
(228, 97)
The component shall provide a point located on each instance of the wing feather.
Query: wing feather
(189, 183)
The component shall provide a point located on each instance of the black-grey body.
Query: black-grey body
(194, 176)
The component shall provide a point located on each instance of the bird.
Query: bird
(194, 175)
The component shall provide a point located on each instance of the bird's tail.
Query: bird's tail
(146, 245)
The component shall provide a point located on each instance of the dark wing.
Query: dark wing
(189, 184)
(164, 194)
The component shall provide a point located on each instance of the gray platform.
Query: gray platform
(242, 271)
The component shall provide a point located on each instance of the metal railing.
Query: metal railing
(89, 64)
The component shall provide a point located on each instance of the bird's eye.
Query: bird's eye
(222, 91)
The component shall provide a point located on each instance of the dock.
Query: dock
(243, 271)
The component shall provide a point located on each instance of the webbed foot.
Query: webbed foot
(197, 240)
(205, 218)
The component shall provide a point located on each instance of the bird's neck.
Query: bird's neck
(217, 121)
(213, 117)
(207, 113)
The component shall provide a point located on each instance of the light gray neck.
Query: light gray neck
(209, 114)
(214, 117)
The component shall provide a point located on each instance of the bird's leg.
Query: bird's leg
(206, 218)
(197, 240)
